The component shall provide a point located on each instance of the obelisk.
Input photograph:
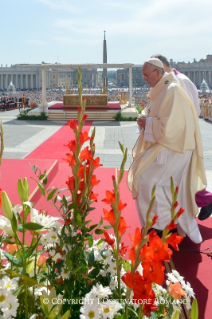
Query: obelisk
(104, 61)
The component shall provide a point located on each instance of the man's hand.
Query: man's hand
(141, 121)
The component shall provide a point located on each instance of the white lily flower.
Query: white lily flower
(5, 225)
(42, 219)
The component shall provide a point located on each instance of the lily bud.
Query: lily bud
(26, 186)
(6, 206)
(176, 314)
(23, 190)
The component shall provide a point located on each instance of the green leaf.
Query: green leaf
(99, 231)
(100, 222)
(14, 223)
(20, 228)
(51, 194)
(107, 227)
(18, 290)
(32, 226)
(79, 219)
(92, 227)
(34, 168)
(41, 189)
(93, 273)
(31, 249)
(90, 241)
(91, 259)
(8, 241)
(66, 315)
(41, 176)
(12, 259)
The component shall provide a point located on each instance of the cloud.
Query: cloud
(37, 42)
(60, 5)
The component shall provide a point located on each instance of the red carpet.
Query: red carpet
(53, 147)
(196, 268)
(111, 106)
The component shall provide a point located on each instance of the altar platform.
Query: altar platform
(57, 111)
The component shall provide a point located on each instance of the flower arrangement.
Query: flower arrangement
(65, 271)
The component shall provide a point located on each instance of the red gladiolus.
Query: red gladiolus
(71, 183)
(177, 189)
(132, 279)
(85, 154)
(84, 117)
(79, 109)
(60, 281)
(93, 196)
(72, 145)
(174, 240)
(84, 99)
(110, 197)
(153, 271)
(68, 221)
(180, 211)
(70, 159)
(148, 308)
(121, 205)
(83, 138)
(132, 255)
(157, 250)
(175, 205)
(81, 171)
(109, 216)
(122, 226)
(171, 225)
(108, 239)
(96, 162)
(144, 291)
(82, 186)
(154, 220)
(136, 239)
(73, 124)
(94, 181)
(123, 249)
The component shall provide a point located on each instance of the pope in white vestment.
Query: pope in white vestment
(169, 145)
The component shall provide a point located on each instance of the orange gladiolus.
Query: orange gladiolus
(41, 261)
(132, 255)
(131, 279)
(171, 225)
(12, 248)
(70, 159)
(123, 249)
(176, 291)
(157, 250)
(180, 211)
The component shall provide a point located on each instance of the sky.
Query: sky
(67, 31)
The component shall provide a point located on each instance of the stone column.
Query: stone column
(194, 77)
(44, 103)
(130, 85)
(1, 84)
(21, 81)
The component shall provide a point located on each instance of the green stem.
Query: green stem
(24, 265)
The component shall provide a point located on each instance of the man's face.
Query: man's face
(151, 76)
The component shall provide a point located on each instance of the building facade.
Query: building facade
(196, 71)
(28, 77)
(137, 77)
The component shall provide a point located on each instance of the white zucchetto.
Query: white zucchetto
(156, 62)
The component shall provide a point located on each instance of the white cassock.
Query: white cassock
(191, 90)
(167, 148)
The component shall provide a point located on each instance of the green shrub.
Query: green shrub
(119, 117)
(24, 116)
